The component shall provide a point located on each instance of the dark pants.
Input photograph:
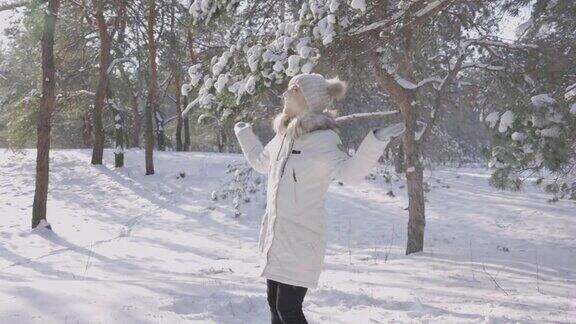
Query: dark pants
(285, 302)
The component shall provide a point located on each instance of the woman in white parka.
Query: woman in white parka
(305, 154)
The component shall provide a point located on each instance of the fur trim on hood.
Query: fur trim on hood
(304, 123)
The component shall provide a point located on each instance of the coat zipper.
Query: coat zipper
(294, 186)
(281, 145)
(275, 212)
(287, 157)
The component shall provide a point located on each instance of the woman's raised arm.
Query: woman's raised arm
(353, 169)
(258, 157)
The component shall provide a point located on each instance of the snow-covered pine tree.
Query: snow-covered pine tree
(419, 51)
(536, 134)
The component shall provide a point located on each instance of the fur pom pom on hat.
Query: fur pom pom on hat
(318, 92)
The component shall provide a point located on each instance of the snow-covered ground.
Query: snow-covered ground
(130, 248)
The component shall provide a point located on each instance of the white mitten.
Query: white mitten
(389, 132)
(239, 126)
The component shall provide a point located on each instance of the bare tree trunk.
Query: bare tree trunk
(46, 107)
(100, 97)
(150, 107)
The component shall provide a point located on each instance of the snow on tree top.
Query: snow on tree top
(570, 92)
(506, 121)
(492, 118)
(542, 100)
(359, 5)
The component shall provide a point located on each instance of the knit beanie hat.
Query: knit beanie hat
(318, 92)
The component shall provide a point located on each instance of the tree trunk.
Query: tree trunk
(118, 130)
(221, 139)
(100, 97)
(44, 116)
(414, 177)
(87, 129)
(150, 107)
(177, 85)
(119, 138)
(187, 133)
(405, 99)
(135, 122)
(187, 142)
(160, 134)
(175, 59)
(416, 221)
(399, 160)
(120, 135)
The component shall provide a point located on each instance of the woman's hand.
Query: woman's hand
(258, 156)
(239, 125)
(390, 132)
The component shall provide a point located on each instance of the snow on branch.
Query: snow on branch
(570, 92)
(370, 115)
(411, 86)
(119, 61)
(419, 14)
(423, 128)
(482, 66)
(499, 43)
(407, 84)
(189, 107)
(9, 5)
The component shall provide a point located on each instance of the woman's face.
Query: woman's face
(294, 102)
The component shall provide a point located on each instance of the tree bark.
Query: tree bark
(87, 129)
(405, 99)
(221, 139)
(187, 142)
(100, 97)
(179, 144)
(47, 102)
(118, 131)
(160, 134)
(135, 122)
(150, 107)
(175, 59)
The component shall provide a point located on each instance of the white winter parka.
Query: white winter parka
(292, 240)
